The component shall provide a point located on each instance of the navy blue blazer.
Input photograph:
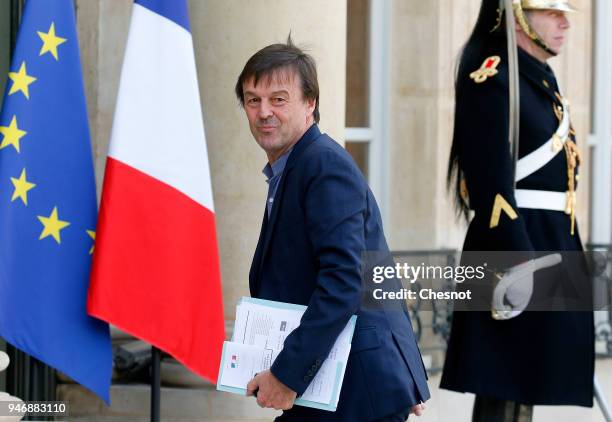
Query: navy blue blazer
(310, 253)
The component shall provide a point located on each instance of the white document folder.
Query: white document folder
(259, 334)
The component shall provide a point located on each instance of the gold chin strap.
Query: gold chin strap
(519, 7)
(522, 5)
(519, 14)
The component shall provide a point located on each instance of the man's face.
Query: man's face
(277, 112)
(551, 26)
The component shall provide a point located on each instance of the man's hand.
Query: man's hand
(418, 409)
(271, 392)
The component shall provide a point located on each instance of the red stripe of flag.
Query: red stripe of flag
(156, 268)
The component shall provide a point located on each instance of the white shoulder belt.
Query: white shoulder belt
(532, 162)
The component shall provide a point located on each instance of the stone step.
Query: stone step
(131, 402)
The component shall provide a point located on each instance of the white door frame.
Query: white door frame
(600, 139)
(377, 134)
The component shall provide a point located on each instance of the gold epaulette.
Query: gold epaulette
(486, 70)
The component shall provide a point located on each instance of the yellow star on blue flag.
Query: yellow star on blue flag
(48, 202)
(22, 187)
(21, 81)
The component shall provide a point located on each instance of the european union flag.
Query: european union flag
(48, 202)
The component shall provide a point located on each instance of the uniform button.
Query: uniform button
(310, 373)
(305, 379)
(318, 362)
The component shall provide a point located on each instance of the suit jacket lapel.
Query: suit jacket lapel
(254, 273)
(311, 134)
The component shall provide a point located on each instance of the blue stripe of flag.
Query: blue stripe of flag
(175, 10)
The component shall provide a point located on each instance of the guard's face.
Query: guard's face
(551, 26)
(277, 112)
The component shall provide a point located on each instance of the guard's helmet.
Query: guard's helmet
(520, 6)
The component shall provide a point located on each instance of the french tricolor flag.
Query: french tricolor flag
(156, 268)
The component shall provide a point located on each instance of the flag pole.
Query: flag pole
(155, 383)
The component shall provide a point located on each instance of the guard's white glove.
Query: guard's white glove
(516, 287)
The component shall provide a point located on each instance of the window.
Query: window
(366, 91)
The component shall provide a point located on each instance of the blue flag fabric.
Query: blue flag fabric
(48, 202)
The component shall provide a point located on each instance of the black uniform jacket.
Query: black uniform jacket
(538, 357)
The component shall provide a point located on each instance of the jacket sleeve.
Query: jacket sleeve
(481, 126)
(334, 207)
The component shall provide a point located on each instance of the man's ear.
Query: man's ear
(312, 102)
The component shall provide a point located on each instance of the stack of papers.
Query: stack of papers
(259, 334)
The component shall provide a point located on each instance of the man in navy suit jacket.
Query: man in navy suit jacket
(320, 216)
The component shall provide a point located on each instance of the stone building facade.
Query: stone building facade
(386, 73)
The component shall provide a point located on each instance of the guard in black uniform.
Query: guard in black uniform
(531, 358)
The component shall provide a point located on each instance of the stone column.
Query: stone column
(102, 29)
(226, 34)
(425, 41)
